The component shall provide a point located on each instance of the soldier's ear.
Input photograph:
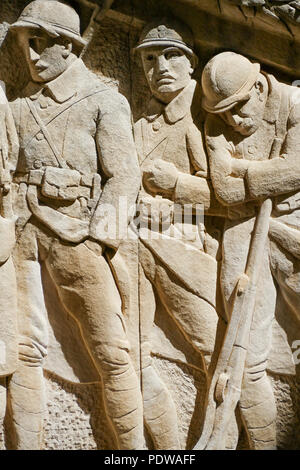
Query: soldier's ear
(194, 62)
(259, 86)
(68, 47)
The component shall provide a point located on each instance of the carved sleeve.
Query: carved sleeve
(9, 138)
(229, 190)
(119, 163)
(195, 147)
(282, 174)
(196, 190)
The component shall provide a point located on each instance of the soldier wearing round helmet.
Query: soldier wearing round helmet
(48, 33)
(168, 58)
(72, 129)
(169, 142)
(252, 136)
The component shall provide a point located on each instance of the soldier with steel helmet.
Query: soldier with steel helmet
(8, 304)
(252, 137)
(172, 158)
(73, 130)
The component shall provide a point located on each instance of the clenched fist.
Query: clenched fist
(161, 178)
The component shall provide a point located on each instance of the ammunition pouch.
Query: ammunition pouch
(63, 184)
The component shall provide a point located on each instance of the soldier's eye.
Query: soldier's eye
(32, 43)
(37, 44)
(172, 54)
(150, 57)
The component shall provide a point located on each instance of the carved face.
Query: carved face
(46, 56)
(168, 71)
(246, 117)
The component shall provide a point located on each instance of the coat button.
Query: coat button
(252, 149)
(156, 126)
(37, 164)
(40, 136)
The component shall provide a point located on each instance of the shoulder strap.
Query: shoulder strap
(76, 100)
(44, 130)
(57, 113)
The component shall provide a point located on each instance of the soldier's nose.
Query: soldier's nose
(233, 119)
(162, 64)
(34, 56)
(229, 118)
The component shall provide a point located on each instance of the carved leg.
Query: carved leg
(195, 317)
(91, 296)
(258, 408)
(26, 389)
(160, 411)
(28, 406)
(159, 408)
(257, 402)
(2, 399)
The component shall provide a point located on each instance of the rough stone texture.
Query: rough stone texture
(288, 420)
(75, 420)
(76, 416)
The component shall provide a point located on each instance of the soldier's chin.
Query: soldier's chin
(166, 88)
(246, 130)
(45, 75)
(39, 77)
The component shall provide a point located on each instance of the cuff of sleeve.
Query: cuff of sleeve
(193, 190)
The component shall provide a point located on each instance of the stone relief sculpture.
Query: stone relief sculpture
(77, 156)
(277, 8)
(213, 168)
(252, 139)
(172, 157)
(8, 335)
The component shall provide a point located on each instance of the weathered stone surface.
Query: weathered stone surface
(137, 329)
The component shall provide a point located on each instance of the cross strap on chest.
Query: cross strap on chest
(44, 124)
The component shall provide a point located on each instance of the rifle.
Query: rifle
(225, 386)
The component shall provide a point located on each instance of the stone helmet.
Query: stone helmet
(55, 17)
(167, 32)
(226, 80)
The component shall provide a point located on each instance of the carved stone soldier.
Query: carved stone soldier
(8, 302)
(179, 264)
(77, 158)
(252, 135)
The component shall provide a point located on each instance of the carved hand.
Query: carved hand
(161, 178)
(67, 228)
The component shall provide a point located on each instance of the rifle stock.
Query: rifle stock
(225, 387)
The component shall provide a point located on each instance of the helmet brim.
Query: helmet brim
(51, 30)
(165, 43)
(241, 95)
(224, 105)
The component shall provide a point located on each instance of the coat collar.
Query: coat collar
(273, 103)
(68, 83)
(63, 87)
(177, 109)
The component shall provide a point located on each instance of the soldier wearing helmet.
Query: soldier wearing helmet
(252, 136)
(169, 143)
(72, 131)
(8, 304)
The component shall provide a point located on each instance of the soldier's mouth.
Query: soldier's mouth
(40, 67)
(165, 80)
